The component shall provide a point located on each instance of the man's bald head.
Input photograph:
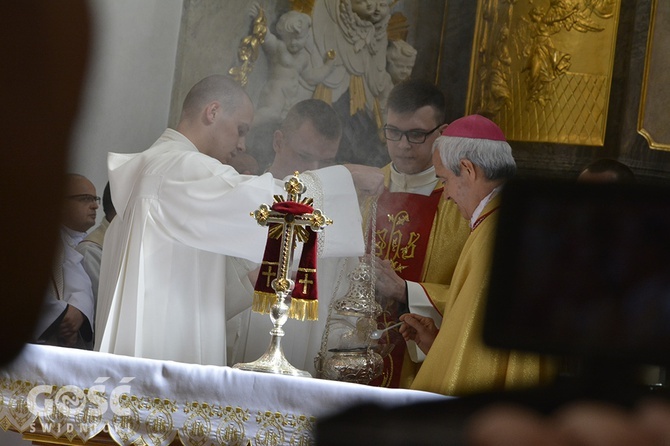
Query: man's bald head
(217, 87)
(216, 117)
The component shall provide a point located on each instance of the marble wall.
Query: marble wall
(129, 82)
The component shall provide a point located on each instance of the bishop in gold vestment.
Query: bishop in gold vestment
(422, 235)
(472, 160)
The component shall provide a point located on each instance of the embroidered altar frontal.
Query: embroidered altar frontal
(61, 396)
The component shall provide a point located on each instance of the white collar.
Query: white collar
(418, 183)
(482, 204)
(72, 237)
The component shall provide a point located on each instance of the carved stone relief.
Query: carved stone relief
(348, 53)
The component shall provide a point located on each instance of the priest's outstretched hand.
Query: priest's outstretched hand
(389, 285)
(420, 329)
(368, 180)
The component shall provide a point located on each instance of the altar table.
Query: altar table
(56, 395)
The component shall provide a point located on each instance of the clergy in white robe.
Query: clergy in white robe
(91, 246)
(166, 286)
(309, 138)
(67, 313)
(69, 286)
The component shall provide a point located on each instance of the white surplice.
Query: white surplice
(167, 288)
(73, 289)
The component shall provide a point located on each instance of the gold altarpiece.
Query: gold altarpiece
(543, 69)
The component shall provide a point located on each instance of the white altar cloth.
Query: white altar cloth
(75, 394)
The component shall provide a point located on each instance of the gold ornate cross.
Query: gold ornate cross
(291, 227)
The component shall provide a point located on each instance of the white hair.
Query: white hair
(493, 157)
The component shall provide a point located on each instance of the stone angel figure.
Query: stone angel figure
(356, 29)
(293, 72)
(400, 60)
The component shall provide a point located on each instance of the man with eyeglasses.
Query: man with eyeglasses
(419, 237)
(307, 139)
(91, 247)
(68, 310)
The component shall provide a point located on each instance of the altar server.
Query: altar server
(181, 211)
(66, 318)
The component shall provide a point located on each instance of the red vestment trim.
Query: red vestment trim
(482, 218)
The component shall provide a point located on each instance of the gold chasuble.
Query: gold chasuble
(422, 236)
(458, 362)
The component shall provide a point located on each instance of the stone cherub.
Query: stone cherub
(292, 71)
(400, 59)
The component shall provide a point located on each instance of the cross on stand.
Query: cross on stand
(291, 227)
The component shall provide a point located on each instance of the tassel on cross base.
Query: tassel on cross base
(289, 220)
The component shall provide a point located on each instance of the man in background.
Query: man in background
(418, 236)
(308, 139)
(91, 247)
(68, 310)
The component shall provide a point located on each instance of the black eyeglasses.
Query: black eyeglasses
(85, 198)
(413, 136)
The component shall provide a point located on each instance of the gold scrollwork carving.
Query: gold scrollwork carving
(248, 50)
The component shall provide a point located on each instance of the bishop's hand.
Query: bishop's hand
(420, 329)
